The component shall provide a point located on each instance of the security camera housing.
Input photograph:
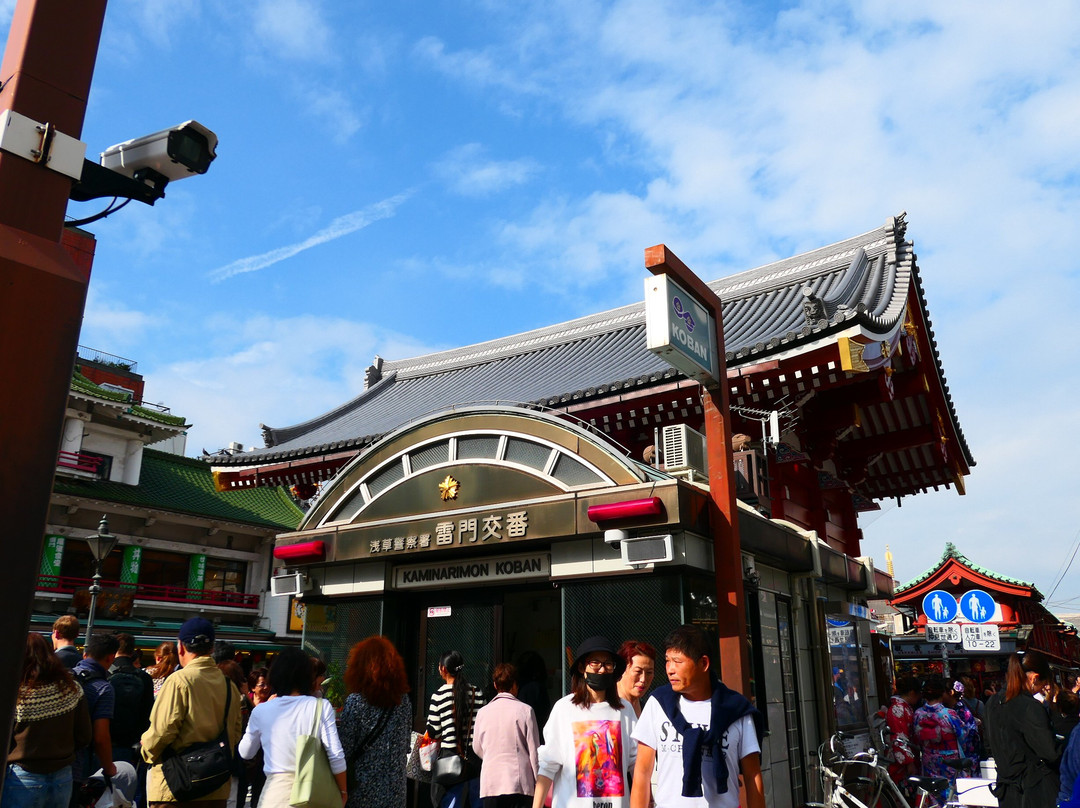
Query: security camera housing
(172, 153)
(141, 168)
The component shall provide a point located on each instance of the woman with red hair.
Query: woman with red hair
(374, 725)
(640, 659)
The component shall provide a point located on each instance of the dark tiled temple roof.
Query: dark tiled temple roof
(862, 281)
(179, 484)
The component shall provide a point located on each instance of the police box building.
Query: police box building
(512, 498)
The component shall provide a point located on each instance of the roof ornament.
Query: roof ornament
(813, 308)
(267, 435)
(898, 224)
(373, 374)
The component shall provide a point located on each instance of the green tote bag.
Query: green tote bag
(314, 785)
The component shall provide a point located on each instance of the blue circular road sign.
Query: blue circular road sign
(977, 606)
(939, 606)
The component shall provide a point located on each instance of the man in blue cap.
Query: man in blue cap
(190, 709)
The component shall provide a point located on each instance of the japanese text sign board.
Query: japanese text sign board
(981, 638)
(943, 632)
(680, 330)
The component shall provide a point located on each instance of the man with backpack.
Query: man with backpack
(92, 674)
(134, 699)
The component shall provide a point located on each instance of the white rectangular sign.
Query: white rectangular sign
(841, 636)
(942, 632)
(439, 611)
(486, 570)
(680, 330)
(981, 637)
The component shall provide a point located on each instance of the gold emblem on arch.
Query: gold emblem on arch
(448, 488)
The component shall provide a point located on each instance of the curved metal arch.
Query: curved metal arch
(564, 438)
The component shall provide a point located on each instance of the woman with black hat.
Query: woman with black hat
(588, 752)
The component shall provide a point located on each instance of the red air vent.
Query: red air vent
(631, 509)
(305, 552)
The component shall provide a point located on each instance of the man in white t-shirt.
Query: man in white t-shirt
(698, 734)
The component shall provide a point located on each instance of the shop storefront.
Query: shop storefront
(476, 530)
(969, 620)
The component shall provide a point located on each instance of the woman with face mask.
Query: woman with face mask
(1021, 737)
(588, 754)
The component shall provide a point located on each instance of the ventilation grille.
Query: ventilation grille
(570, 472)
(482, 448)
(384, 479)
(650, 550)
(527, 453)
(429, 456)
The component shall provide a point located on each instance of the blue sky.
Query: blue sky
(396, 178)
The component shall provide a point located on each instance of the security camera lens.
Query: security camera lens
(191, 149)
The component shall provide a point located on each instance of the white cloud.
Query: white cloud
(753, 143)
(339, 227)
(293, 29)
(280, 371)
(335, 108)
(112, 326)
(468, 172)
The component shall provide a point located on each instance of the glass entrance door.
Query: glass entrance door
(470, 628)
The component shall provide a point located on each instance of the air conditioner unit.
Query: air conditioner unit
(293, 583)
(684, 449)
(642, 550)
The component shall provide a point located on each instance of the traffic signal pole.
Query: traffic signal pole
(45, 75)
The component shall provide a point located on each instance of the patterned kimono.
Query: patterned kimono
(901, 718)
(969, 738)
(939, 736)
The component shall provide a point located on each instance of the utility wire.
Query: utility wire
(1067, 564)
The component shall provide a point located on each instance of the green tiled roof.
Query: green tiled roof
(83, 385)
(182, 484)
(952, 552)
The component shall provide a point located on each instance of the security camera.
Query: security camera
(171, 154)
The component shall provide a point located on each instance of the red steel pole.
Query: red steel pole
(723, 511)
(46, 71)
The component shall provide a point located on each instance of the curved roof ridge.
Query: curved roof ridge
(274, 436)
(590, 325)
(951, 553)
(732, 287)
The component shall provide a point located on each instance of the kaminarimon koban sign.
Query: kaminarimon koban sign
(680, 329)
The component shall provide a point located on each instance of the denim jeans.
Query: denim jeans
(23, 789)
(455, 795)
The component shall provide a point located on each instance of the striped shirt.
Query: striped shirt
(440, 720)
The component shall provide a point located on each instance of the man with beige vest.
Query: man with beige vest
(190, 709)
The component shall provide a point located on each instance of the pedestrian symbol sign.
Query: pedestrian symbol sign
(939, 606)
(977, 606)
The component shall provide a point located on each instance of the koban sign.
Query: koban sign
(679, 329)
(476, 570)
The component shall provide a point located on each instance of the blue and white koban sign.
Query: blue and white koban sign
(977, 606)
(939, 606)
(679, 329)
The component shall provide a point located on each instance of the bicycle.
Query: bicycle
(861, 781)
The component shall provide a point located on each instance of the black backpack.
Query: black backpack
(130, 718)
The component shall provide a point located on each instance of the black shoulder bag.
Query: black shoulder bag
(202, 768)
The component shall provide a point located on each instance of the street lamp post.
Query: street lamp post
(101, 544)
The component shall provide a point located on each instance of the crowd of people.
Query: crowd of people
(98, 717)
(941, 728)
